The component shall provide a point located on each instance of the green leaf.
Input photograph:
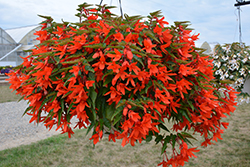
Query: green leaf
(124, 27)
(166, 141)
(57, 59)
(68, 118)
(140, 39)
(89, 68)
(91, 76)
(108, 80)
(111, 32)
(136, 47)
(84, 5)
(191, 105)
(46, 17)
(80, 32)
(59, 116)
(50, 115)
(164, 147)
(204, 75)
(92, 94)
(160, 85)
(218, 93)
(44, 101)
(182, 61)
(138, 59)
(158, 138)
(74, 61)
(184, 113)
(101, 123)
(226, 81)
(187, 135)
(62, 105)
(94, 46)
(163, 127)
(64, 41)
(117, 119)
(90, 127)
(18, 67)
(179, 44)
(109, 111)
(70, 106)
(151, 35)
(27, 109)
(149, 138)
(116, 112)
(138, 53)
(66, 94)
(156, 13)
(20, 99)
(121, 103)
(203, 86)
(117, 47)
(154, 56)
(173, 138)
(148, 86)
(107, 123)
(93, 113)
(78, 54)
(109, 72)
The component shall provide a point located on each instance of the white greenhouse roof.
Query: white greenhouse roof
(213, 44)
(18, 33)
(26, 47)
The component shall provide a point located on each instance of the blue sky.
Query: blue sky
(215, 20)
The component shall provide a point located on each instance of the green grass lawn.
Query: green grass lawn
(60, 151)
(234, 149)
(77, 151)
(6, 94)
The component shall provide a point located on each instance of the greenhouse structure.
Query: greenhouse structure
(14, 41)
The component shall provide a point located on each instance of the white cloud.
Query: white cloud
(214, 20)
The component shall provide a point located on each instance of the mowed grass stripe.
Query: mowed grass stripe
(6, 94)
(59, 150)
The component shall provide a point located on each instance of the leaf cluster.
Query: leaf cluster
(129, 78)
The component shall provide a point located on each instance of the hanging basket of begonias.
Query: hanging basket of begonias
(126, 77)
(232, 63)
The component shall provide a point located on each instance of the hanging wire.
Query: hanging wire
(101, 2)
(99, 5)
(240, 33)
(236, 26)
(121, 8)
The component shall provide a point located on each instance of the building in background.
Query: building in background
(14, 41)
(209, 47)
(7, 44)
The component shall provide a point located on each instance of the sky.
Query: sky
(215, 20)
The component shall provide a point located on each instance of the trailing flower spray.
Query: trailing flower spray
(232, 65)
(124, 77)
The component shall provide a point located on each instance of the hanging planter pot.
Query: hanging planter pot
(125, 77)
(231, 65)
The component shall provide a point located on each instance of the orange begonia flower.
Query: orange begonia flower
(119, 37)
(148, 45)
(127, 76)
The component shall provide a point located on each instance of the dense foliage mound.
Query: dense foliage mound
(232, 63)
(129, 78)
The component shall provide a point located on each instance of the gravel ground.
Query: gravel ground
(16, 130)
